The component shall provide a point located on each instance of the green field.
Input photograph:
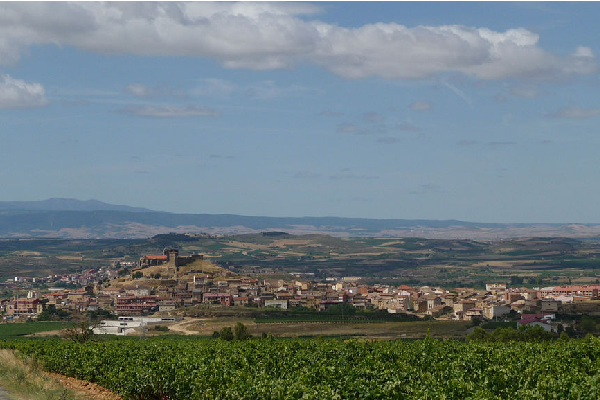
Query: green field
(395, 261)
(184, 368)
(22, 329)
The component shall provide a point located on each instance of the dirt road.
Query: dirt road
(184, 326)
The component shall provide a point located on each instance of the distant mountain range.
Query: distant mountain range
(60, 204)
(71, 218)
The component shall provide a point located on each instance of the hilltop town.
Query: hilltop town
(170, 284)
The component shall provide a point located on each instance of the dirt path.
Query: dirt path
(85, 389)
(184, 325)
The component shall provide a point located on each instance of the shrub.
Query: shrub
(241, 332)
(226, 334)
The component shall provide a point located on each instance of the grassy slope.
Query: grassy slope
(26, 380)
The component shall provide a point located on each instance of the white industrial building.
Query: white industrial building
(127, 325)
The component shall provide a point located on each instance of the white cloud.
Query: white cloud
(269, 90)
(272, 35)
(262, 90)
(16, 93)
(575, 112)
(142, 90)
(421, 106)
(214, 87)
(139, 90)
(171, 111)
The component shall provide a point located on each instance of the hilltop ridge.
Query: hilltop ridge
(74, 219)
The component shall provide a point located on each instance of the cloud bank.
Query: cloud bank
(264, 36)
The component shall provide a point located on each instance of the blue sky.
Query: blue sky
(479, 111)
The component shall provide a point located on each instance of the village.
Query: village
(168, 284)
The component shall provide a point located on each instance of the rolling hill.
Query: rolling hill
(92, 219)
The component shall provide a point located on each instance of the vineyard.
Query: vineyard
(169, 368)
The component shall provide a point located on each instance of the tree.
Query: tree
(505, 334)
(81, 332)
(51, 313)
(137, 275)
(226, 333)
(241, 332)
(588, 324)
(478, 334)
(535, 333)
(341, 309)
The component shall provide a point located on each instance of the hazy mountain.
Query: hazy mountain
(70, 218)
(60, 204)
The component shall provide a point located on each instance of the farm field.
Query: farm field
(191, 368)
(23, 329)
(376, 330)
(395, 261)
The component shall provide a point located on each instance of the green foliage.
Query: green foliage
(137, 275)
(66, 285)
(588, 324)
(240, 332)
(523, 333)
(101, 314)
(327, 369)
(21, 329)
(341, 309)
(51, 313)
(160, 328)
(478, 334)
(498, 324)
(226, 334)
(79, 333)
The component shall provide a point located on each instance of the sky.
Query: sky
(476, 111)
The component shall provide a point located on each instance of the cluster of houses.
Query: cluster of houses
(82, 278)
(170, 282)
